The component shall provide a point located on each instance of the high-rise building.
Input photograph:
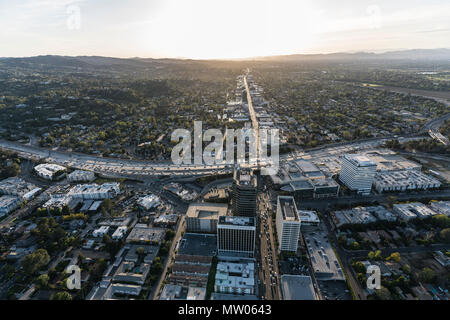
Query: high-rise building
(236, 236)
(288, 223)
(244, 193)
(357, 173)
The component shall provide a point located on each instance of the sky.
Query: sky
(219, 29)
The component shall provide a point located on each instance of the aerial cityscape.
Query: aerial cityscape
(259, 175)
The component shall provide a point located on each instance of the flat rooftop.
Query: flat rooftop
(198, 244)
(360, 160)
(297, 287)
(244, 177)
(288, 208)
(237, 221)
(323, 259)
(207, 210)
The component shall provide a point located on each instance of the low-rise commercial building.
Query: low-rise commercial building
(119, 233)
(15, 186)
(50, 171)
(94, 191)
(177, 292)
(362, 215)
(313, 189)
(141, 233)
(166, 220)
(408, 211)
(9, 203)
(81, 176)
(130, 272)
(235, 278)
(100, 232)
(203, 217)
(441, 207)
(404, 180)
(149, 202)
(308, 219)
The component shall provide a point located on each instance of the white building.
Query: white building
(407, 211)
(236, 278)
(148, 202)
(58, 201)
(81, 176)
(50, 171)
(9, 203)
(120, 233)
(15, 186)
(94, 191)
(441, 207)
(308, 218)
(357, 173)
(100, 232)
(288, 223)
(362, 215)
(404, 180)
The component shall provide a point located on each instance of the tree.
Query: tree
(359, 267)
(445, 235)
(395, 256)
(406, 268)
(383, 293)
(42, 280)
(140, 251)
(427, 275)
(35, 261)
(354, 245)
(441, 220)
(374, 255)
(62, 295)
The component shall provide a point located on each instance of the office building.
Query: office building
(244, 193)
(236, 236)
(357, 173)
(203, 217)
(287, 223)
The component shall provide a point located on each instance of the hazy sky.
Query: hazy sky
(219, 28)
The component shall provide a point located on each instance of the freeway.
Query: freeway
(113, 167)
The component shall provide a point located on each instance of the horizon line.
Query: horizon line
(375, 52)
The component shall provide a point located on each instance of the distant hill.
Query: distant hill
(139, 64)
(413, 54)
